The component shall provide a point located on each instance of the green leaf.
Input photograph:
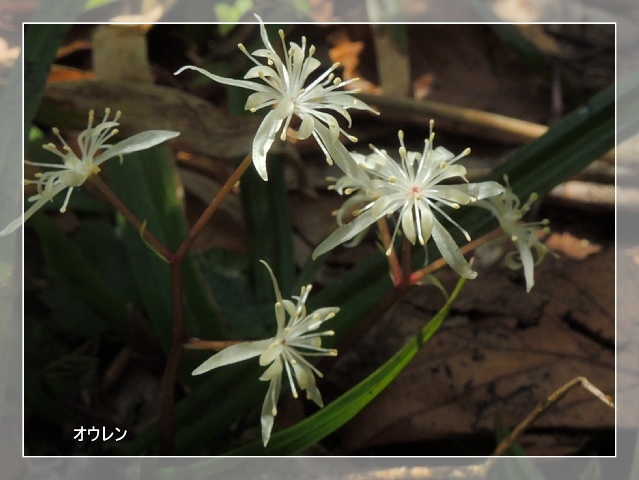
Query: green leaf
(229, 15)
(40, 44)
(269, 231)
(71, 267)
(565, 149)
(93, 4)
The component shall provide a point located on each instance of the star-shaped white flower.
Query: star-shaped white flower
(507, 208)
(414, 189)
(75, 170)
(285, 86)
(294, 340)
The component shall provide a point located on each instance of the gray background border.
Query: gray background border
(12, 465)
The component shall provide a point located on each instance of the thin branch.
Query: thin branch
(169, 379)
(482, 122)
(389, 251)
(419, 275)
(543, 407)
(148, 237)
(197, 344)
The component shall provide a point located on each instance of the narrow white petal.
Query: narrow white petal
(528, 263)
(13, 226)
(233, 354)
(346, 232)
(226, 81)
(306, 128)
(427, 220)
(269, 408)
(140, 141)
(408, 225)
(338, 153)
(450, 251)
(258, 99)
(263, 33)
(264, 139)
(271, 353)
(483, 190)
(259, 71)
(441, 154)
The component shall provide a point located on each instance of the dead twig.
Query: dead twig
(498, 127)
(480, 471)
(543, 406)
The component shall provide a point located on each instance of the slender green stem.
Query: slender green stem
(169, 379)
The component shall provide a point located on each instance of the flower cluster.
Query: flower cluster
(413, 188)
(507, 208)
(285, 352)
(285, 86)
(76, 169)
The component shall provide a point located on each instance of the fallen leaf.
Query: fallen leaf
(422, 85)
(572, 247)
(347, 54)
(500, 353)
(61, 73)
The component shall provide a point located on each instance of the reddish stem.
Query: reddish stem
(169, 379)
(393, 262)
(155, 244)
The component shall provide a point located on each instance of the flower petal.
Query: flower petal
(13, 226)
(258, 100)
(138, 142)
(346, 232)
(306, 128)
(483, 190)
(528, 263)
(338, 153)
(269, 407)
(426, 222)
(264, 138)
(450, 251)
(233, 354)
(408, 225)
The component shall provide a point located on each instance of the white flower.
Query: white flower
(294, 340)
(508, 210)
(283, 86)
(413, 189)
(75, 170)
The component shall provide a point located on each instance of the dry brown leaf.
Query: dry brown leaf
(572, 247)
(422, 85)
(347, 54)
(61, 73)
(499, 354)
